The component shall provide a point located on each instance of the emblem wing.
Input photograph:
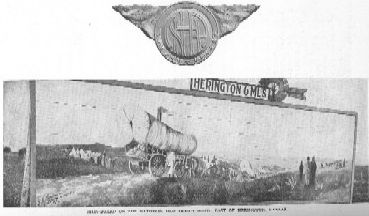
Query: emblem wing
(142, 16)
(230, 17)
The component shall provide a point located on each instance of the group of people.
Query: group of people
(98, 158)
(87, 155)
(208, 161)
(308, 172)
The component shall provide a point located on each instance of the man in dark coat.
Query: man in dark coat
(301, 169)
(313, 172)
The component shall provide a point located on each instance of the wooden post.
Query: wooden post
(353, 159)
(28, 195)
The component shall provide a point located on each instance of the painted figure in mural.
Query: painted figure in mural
(307, 171)
(103, 159)
(214, 161)
(301, 169)
(189, 167)
(171, 158)
(108, 162)
(312, 172)
(344, 162)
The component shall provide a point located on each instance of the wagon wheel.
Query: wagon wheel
(157, 165)
(136, 167)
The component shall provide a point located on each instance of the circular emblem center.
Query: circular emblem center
(186, 33)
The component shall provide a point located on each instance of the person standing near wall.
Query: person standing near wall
(301, 169)
(307, 171)
(312, 172)
(103, 159)
(171, 159)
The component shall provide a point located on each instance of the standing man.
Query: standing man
(214, 161)
(171, 159)
(313, 172)
(103, 159)
(301, 169)
(307, 171)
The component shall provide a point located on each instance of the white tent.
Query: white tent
(73, 152)
(245, 166)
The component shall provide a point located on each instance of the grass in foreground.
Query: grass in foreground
(13, 179)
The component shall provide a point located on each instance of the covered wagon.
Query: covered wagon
(149, 154)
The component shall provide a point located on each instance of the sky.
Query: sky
(75, 112)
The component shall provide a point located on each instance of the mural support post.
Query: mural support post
(28, 195)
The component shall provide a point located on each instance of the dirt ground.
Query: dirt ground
(91, 190)
(122, 189)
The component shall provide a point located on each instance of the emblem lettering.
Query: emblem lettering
(187, 33)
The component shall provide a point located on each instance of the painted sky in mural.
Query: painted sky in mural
(74, 112)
